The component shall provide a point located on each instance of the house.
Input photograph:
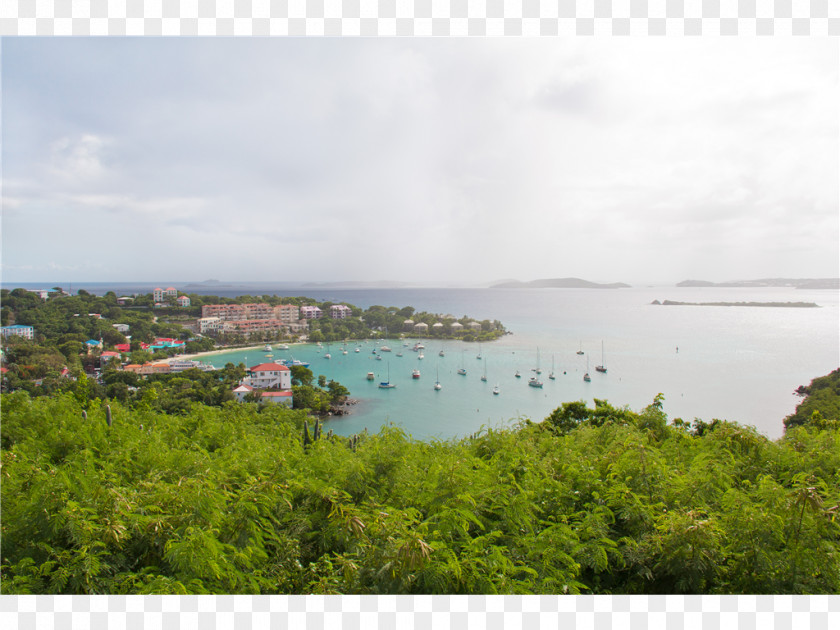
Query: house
(107, 356)
(277, 398)
(408, 324)
(158, 295)
(340, 311)
(123, 328)
(183, 301)
(240, 392)
(125, 299)
(421, 327)
(474, 325)
(93, 344)
(457, 327)
(122, 347)
(18, 330)
(42, 293)
(269, 375)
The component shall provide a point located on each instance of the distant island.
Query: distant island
(762, 304)
(559, 283)
(795, 283)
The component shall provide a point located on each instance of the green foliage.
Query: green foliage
(254, 499)
(821, 406)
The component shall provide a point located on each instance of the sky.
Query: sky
(434, 161)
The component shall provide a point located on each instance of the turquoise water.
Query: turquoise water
(740, 364)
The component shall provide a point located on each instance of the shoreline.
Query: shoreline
(196, 355)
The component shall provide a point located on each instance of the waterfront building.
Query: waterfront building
(409, 324)
(422, 327)
(210, 324)
(277, 398)
(287, 313)
(18, 330)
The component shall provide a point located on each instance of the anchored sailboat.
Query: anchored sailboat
(602, 368)
(387, 384)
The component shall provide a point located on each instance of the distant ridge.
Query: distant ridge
(559, 283)
(796, 283)
(376, 284)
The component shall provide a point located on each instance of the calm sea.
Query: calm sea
(734, 363)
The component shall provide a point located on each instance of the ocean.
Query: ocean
(734, 363)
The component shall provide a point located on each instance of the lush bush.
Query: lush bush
(231, 500)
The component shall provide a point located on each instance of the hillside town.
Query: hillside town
(51, 338)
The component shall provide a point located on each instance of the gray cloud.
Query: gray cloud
(420, 159)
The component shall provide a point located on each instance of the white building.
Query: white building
(269, 375)
(123, 328)
(183, 301)
(210, 324)
(18, 330)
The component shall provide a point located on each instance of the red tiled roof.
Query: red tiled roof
(269, 367)
(283, 394)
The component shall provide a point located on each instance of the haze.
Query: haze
(419, 160)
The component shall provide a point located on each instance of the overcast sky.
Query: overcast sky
(431, 160)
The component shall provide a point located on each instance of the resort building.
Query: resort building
(474, 325)
(248, 326)
(18, 330)
(457, 327)
(240, 392)
(408, 324)
(210, 324)
(183, 301)
(310, 312)
(238, 312)
(422, 327)
(287, 313)
(123, 300)
(42, 293)
(340, 311)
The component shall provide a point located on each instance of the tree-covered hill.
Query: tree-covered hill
(821, 404)
(234, 499)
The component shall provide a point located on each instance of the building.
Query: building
(42, 293)
(124, 299)
(422, 327)
(474, 325)
(240, 392)
(160, 294)
(310, 312)
(238, 312)
(408, 324)
(268, 376)
(277, 398)
(18, 330)
(123, 328)
(287, 313)
(210, 324)
(183, 301)
(106, 356)
(248, 326)
(340, 311)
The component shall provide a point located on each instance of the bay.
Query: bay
(734, 363)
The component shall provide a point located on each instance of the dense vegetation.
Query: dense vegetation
(243, 499)
(821, 405)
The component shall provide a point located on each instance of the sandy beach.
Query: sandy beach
(198, 355)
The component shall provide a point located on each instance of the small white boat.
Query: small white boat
(551, 374)
(378, 357)
(441, 354)
(328, 356)
(437, 381)
(586, 374)
(267, 347)
(370, 376)
(517, 374)
(356, 350)
(420, 356)
(344, 352)
(399, 354)
(534, 382)
(415, 373)
(484, 376)
(462, 370)
(496, 390)
(283, 346)
(385, 349)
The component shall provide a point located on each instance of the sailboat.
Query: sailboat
(580, 348)
(601, 368)
(586, 374)
(462, 370)
(551, 374)
(534, 381)
(484, 378)
(478, 356)
(496, 390)
(437, 380)
(387, 384)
